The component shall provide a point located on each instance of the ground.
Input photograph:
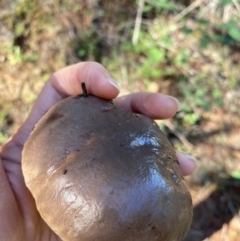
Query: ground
(183, 52)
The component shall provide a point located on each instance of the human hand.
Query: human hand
(20, 220)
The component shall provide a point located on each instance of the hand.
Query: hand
(20, 219)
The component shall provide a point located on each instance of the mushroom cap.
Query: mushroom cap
(101, 173)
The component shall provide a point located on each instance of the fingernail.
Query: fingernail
(179, 106)
(193, 159)
(113, 82)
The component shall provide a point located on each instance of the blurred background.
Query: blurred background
(188, 49)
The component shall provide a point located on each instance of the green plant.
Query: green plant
(191, 118)
(3, 115)
(235, 175)
(88, 45)
(217, 97)
(14, 54)
(2, 138)
(230, 29)
(202, 96)
(156, 54)
(227, 34)
(159, 5)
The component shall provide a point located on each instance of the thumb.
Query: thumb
(10, 213)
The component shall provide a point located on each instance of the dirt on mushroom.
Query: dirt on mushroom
(104, 173)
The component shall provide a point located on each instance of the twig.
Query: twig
(230, 203)
(227, 13)
(210, 7)
(187, 10)
(5, 13)
(237, 5)
(224, 232)
(84, 90)
(138, 22)
(180, 136)
(124, 74)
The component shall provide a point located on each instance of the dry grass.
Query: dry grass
(40, 37)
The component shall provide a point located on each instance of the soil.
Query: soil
(214, 141)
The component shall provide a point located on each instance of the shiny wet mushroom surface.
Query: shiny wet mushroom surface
(101, 173)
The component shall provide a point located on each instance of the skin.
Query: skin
(20, 219)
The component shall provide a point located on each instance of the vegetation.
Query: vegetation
(188, 49)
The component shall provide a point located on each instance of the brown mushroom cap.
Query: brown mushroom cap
(101, 173)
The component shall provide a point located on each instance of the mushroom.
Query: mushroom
(101, 173)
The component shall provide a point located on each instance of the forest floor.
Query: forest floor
(39, 38)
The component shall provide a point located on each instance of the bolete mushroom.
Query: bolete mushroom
(101, 173)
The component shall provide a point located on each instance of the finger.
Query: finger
(154, 105)
(67, 82)
(187, 163)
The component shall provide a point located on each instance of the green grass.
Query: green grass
(190, 51)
